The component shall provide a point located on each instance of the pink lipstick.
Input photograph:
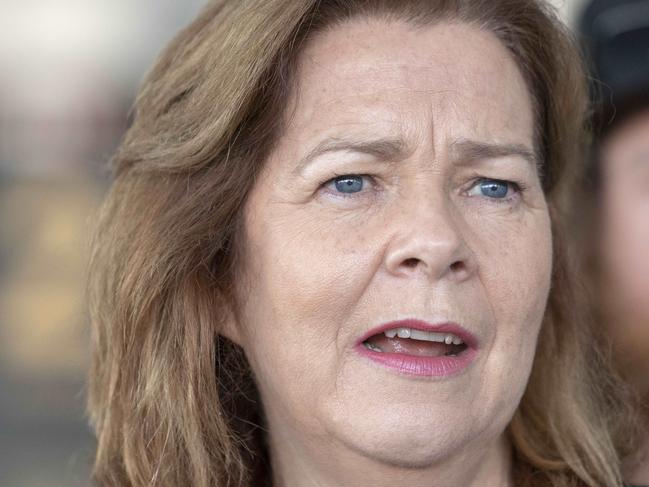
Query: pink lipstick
(415, 347)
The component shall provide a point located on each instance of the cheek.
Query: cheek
(515, 270)
(307, 268)
(306, 274)
(515, 274)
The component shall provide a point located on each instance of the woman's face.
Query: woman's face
(625, 240)
(437, 214)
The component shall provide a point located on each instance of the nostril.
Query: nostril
(457, 266)
(412, 262)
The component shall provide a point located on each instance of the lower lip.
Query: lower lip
(442, 366)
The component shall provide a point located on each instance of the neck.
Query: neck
(337, 466)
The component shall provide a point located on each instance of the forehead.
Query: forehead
(448, 80)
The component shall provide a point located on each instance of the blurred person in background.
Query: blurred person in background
(615, 34)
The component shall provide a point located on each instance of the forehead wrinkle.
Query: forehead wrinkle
(314, 65)
(394, 149)
(384, 149)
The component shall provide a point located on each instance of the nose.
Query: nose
(428, 239)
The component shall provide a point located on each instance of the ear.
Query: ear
(229, 325)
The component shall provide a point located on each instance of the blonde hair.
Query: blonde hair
(174, 403)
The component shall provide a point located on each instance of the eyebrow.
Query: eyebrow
(468, 151)
(393, 149)
(383, 149)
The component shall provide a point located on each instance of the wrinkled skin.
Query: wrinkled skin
(420, 239)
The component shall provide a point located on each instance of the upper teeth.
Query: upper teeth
(447, 338)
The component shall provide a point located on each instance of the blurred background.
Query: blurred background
(70, 70)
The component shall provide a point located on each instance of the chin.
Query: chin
(406, 439)
(405, 450)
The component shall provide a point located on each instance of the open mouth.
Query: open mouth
(419, 343)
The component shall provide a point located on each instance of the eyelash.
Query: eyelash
(518, 186)
(340, 176)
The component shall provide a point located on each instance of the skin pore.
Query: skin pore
(437, 214)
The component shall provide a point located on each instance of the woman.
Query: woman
(332, 255)
(616, 232)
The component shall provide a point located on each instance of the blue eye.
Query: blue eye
(349, 184)
(495, 189)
